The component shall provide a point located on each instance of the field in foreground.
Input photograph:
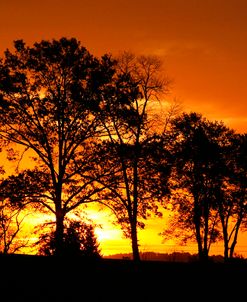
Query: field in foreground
(34, 278)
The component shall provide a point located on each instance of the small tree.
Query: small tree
(233, 195)
(200, 147)
(79, 239)
(11, 224)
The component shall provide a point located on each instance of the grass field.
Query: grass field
(35, 278)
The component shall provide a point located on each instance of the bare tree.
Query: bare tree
(11, 225)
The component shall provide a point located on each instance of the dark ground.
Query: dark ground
(33, 278)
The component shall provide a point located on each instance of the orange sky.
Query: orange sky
(203, 43)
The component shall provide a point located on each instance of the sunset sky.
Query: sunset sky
(203, 44)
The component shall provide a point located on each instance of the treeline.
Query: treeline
(94, 131)
(169, 257)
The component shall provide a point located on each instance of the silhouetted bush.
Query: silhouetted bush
(79, 240)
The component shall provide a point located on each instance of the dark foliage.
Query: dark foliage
(79, 239)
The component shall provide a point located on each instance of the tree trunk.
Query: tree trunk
(204, 257)
(59, 233)
(134, 241)
(225, 239)
(205, 239)
(197, 218)
(234, 242)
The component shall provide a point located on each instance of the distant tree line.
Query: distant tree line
(89, 129)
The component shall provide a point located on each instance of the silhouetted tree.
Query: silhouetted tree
(11, 222)
(130, 149)
(232, 197)
(200, 148)
(11, 225)
(51, 95)
(79, 239)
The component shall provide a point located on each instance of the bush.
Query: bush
(79, 240)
